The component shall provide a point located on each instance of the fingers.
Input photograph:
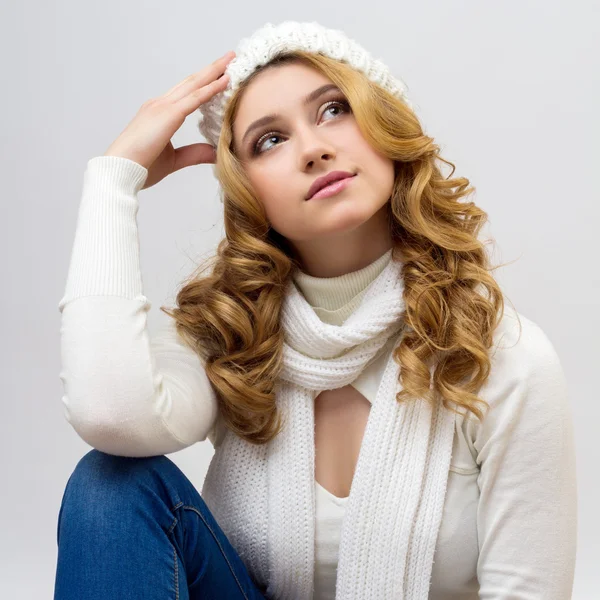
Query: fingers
(199, 79)
(194, 78)
(189, 103)
(194, 154)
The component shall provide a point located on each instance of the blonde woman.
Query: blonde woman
(384, 425)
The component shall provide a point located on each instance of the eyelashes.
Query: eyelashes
(255, 146)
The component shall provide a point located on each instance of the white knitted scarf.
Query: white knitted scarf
(263, 496)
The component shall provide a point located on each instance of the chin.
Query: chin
(347, 218)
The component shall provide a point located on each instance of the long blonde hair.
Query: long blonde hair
(231, 316)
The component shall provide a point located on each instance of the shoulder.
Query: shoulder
(520, 348)
(526, 379)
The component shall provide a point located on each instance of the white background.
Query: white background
(509, 90)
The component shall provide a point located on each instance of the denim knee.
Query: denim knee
(144, 514)
(103, 483)
(97, 462)
(97, 470)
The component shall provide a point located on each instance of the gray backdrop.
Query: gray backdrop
(509, 90)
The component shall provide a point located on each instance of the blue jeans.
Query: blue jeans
(132, 528)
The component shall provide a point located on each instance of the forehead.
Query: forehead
(278, 89)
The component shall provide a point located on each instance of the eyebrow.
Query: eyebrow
(274, 117)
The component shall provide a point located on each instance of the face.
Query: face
(283, 158)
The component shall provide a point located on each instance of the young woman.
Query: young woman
(384, 426)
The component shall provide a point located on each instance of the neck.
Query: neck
(346, 251)
(335, 298)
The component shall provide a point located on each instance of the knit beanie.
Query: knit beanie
(269, 41)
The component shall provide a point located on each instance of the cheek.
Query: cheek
(383, 167)
(378, 169)
(364, 155)
(271, 188)
(389, 174)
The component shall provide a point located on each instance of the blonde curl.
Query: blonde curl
(231, 316)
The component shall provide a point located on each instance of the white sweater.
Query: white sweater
(510, 514)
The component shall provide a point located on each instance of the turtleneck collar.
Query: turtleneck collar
(334, 298)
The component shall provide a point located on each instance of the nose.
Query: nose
(314, 148)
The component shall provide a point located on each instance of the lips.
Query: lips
(324, 181)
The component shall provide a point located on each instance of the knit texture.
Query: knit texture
(334, 299)
(264, 496)
(269, 41)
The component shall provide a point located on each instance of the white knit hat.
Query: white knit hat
(265, 43)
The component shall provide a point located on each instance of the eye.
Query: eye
(343, 103)
(256, 146)
(271, 134)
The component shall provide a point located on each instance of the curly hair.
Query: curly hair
(231, 316)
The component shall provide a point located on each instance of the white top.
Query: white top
(510, 515)
(328, 527)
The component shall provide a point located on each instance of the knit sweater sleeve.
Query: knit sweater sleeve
(125, 392)
(527, 511)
